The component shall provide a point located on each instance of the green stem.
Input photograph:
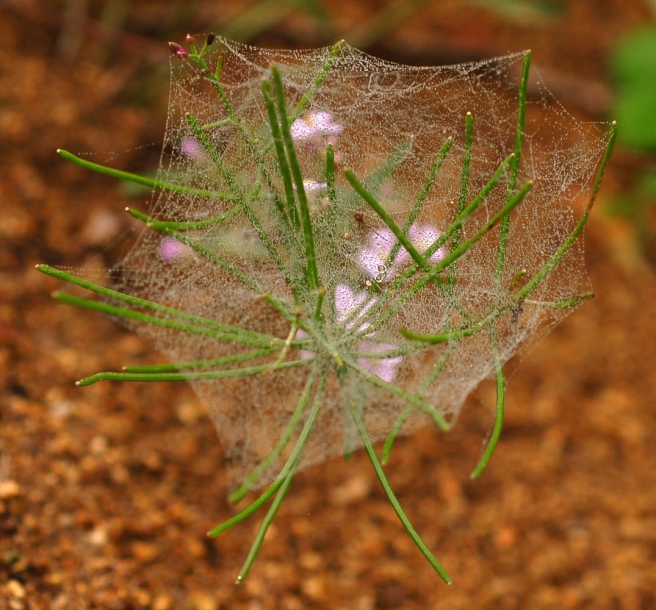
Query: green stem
(449, 259)
(409, 407)
(160, 225)
(387, 219)
(248, 210)
(283, 441)
(409, 397)
(441, 240)
(289, 467)
(201, 375)
(499, 412)
(170, 312)
(200, 364)
(130, 314)
(380, 473)
(462, 196)
(514, 169)
(286, 482)
(441, 155)
(304, 102)
(330, 174)
(150, 182)
(560, 253)
(310, 255)
(283, 165)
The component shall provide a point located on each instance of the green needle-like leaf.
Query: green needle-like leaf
(143, 180)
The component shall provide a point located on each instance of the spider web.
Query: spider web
(387, 123)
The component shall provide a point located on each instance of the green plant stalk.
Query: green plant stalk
(465, 173)
(330, 174)
(131, 314)
(387, 219)
(283, 441)
(441, 240)
(306, 221)
(539, 277)
(409, 407)
(219, 262)
(499, 411)
(160, 225)
(250, 144)
(487, 319)
(282, 492)
(304, 102)
(193, 376)
(544, 271)
(230, 179)
(264, 527)
(287, 469)
(462, 196)
(161, 185)
(268, 340)
(292, 212)
(215, 259)
(514, 169)
(305, 326)
(574, 301)
(441, 155)
(449, 259)
(395, 159)
(200, 364)
(395, 390)
(380, 473)
(299, 108)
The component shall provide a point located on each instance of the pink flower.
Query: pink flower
(191, 148)
(313, 124)
(171, 250)
(374, 259)
(348, 301)
(176, 49)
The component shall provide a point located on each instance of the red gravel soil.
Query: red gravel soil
(106, 492)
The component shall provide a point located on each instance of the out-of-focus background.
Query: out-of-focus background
(106, 492)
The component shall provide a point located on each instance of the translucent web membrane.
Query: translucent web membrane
(341, 248)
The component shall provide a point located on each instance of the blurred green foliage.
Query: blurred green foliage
(634, 67)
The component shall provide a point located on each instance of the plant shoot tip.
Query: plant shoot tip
(78, 383)
(58, 151)
(469, 113)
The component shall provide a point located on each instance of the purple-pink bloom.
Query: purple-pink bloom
(348, 301)
(374, 259)
(190, 147)
(176, 49)
(315, 123)
(171, 250)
